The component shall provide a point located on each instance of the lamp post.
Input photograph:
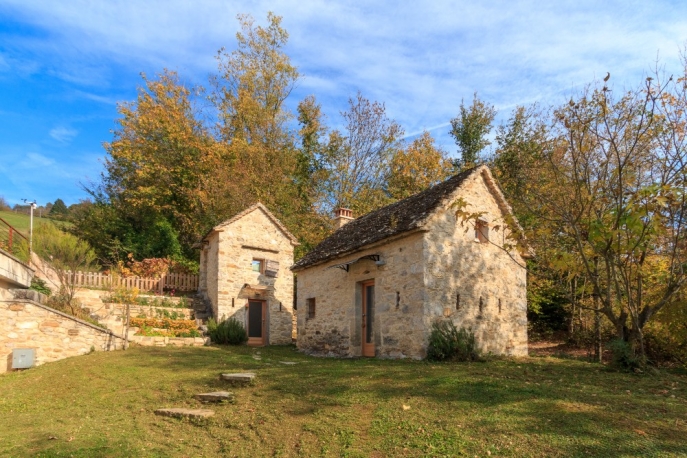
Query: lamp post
(33, 205)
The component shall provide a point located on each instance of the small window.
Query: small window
(481, 231)
(258, 265)
(311, 307)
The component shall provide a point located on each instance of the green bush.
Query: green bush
(38, 284)
(227, 332)
(447, 343)
(624, 356)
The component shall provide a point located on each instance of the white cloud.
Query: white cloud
(63, 134)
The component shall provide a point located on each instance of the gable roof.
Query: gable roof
(406, 215)
(257, 206)
(403, 216)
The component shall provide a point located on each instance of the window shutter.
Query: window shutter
(271, 268)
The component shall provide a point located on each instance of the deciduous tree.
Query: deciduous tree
(417, 167)
(357, 159)
(470, 130)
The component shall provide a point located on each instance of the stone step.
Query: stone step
(239, 377)
(217, 396)
(185, 413)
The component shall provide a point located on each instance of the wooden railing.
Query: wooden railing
(178, 282)
(10, 238)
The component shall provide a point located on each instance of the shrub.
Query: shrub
(624, 356)
(227, 332)
(447, 343)
(38, 284)
(123, 295)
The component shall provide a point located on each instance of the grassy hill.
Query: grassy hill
(103, 404)
(21, 222)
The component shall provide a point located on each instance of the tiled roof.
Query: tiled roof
(402, 216)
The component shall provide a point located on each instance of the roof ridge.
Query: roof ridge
(396, 218)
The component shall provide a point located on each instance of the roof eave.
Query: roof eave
(392, 238)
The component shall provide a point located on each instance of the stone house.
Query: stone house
(379, 282)
(244, 274)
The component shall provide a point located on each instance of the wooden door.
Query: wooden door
(256, 322)
(368, 318)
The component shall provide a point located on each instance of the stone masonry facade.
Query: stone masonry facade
(53, 335)
(439, 272)
(226, 259)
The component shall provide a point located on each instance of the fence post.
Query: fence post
(162, 284)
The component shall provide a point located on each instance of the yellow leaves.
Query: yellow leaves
(417, 167)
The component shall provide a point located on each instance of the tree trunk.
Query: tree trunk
(598, 351)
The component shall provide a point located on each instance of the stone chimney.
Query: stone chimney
(342, 216)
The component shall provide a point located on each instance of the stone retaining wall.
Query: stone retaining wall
(113, 316)
(154, 341)
(54, 335)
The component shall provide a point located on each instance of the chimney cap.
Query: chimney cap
(343, 212)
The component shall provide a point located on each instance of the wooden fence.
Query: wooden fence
(178, 282)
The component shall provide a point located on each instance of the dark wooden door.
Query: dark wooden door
(368, 318)
(256, 322)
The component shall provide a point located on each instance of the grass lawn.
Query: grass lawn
(102, 405)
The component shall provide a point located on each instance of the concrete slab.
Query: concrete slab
(185, 413)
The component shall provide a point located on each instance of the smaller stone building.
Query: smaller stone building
(244, 274)
(379, 282)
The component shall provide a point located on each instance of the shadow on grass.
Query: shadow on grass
(564, 408)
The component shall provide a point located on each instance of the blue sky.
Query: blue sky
(65, 64)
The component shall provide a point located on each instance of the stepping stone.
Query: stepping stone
(217, 396)
(185, 413)
(288, 363)
(240, 377)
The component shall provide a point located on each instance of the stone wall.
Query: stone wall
(13, 274)
(336, 329)
(113, 316)
(54, 335)
(462, 273)
(226, 260)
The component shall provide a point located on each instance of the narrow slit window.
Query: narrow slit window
(311, 307)
(481, 231)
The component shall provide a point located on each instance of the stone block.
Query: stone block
(186, 413)
(239, 377)
(17, 307)
(217, 396)
(51, 323)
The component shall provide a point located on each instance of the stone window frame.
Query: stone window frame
(310, 309)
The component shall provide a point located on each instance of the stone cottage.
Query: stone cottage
(244, 274)
(379, 282)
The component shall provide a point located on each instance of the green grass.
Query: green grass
(102, 405)
(22, 222)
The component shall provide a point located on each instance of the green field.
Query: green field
(102, 404)
(20, 221)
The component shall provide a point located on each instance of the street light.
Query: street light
(32, 203)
